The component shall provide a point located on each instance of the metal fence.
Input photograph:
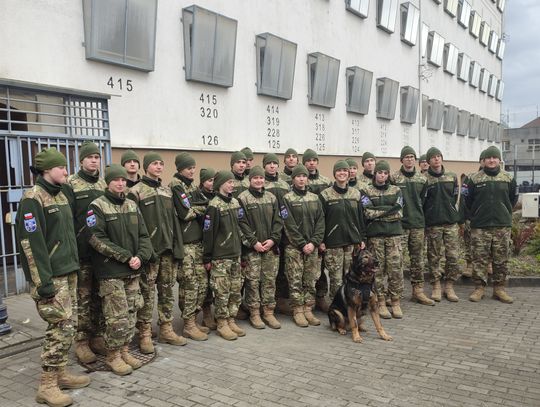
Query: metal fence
(31, 120)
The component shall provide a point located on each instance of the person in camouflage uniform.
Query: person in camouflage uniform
(383, 211)
(423, 165)
(121, 247)
(81, 189)
(238, 168)
(303, 218)
(249, 159)
(130, 161)
(290, 159)
(368, 162)
(344, 225)
(192, 277)
(413, 188)
(156, 205)
(221, 254)
(48, 253)
(490, 194)
(261, 228)
(442, 216)
(353, 172)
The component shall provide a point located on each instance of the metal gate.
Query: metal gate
(30, 120)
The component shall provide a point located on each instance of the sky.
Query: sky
(521, 64)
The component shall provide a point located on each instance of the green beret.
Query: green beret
(206, 173)
(49, 158)
(291, 151)
(270, 158)
(221, 178)
(129, 155)
(422, 158)
(237, 156)
(352, 162)
(184, 160)
(382, 166)
(114, 171)
(88, 148)
(340, 165)
(432, 152)
(492, 151)
(248, 153)
(256, 171)
(299, 169)
(367, 155)
(406, 151)
(309, 154)
(149, 158)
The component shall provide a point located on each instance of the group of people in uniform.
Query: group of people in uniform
(96, 249)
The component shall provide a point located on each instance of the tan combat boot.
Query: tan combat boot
(396, 308)
(224, 331)
(145, 338)
(208, 318)
(129, 358)
(449, 292)
(116, 363)
(436, 291)
(235, 328)
(468, 270)
(167, 335)
(242, 313)
(192, 331)
(321, 304)
(499, 293)
(204, 329)
(269, 318)
(478, 293)
(255, 318)
(383, 310)
(299, 317)
(66, 380)
(308, 313)
(49, 392)
(83, 352)
(97, 344)
(419, 296)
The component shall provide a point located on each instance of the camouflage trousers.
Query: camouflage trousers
(89, 312)
(226, 282)
(413, 241)
(337, 261)
(467, 241)
(192, 281)
(121, 299)
(443, 241)
(59, 313)
(387, 251)
(260, 278)
(163, 274)
(302, 272)
(490, 245)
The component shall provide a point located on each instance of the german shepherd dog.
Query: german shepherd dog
(354, 296)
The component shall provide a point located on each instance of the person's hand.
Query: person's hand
(259, 248)
(308, 248)
(208, 266)
(362, 245)
(322, 248)
(268, 244)
(134, 263)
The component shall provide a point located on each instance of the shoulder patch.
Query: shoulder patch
(400, 201)
(30, 223)
(464, 189)
(240, 213)
(365, 200)
(207, 223)
(185, 200)
(284, 213)
(90, 218)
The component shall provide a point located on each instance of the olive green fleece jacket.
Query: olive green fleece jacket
(189, 215)
(383, 210)
(303, 218)
(413, 188)
(277, 186)
(441, 199)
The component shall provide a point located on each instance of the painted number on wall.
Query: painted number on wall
(209, 109)
(320, 132)
(355, 135)
(272, 127)
(120, 83)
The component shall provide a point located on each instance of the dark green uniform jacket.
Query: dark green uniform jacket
(303, 216)
(413, 188)
(189, 215)
(117, 233)
(383, 210)
(318, 183)
(490, 196)
(221, 234)
(440, 202)
(46, 236)
(261, 220)
(241, 183)
(276, 186)
(81, 189)
(343, 216)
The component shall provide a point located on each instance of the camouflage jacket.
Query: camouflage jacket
(261, 220)
(46, 236)
(343, 214)
(441, 199)
(81, 189)
(241, 183)
(366, 178)
(355, 183)
(117, 233)
(285, 175)
(317, 183)
(276, 186)
(413, 188)
(189, 215)
(383, 210)
(303, 217)
(221, 233)
(490, 196)
(130, 184)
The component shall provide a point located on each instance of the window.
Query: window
(505, 144)
(435, 112)
(492, 131)
(387, 90)
(500, 90)
(492, 87)
(463, 67)
(121, 32)
(485, 30)
(474, 126)
(493, 42)
(451, 6)
(209, 46)
(358, 89)
(358, 7)
(474, 74)
(464, 13)
(435, 48)
(484, 80)
(424, 39)
(386, 15)
(410, 17)
(499, 134)
(276, 59)
(474, 24)
(323, 72)
(450, 117)
(484, 129)
(450, 58)
(463, 123)
(500, 48)
(409, 104)
(500, 5)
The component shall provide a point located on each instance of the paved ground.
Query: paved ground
(463, 354)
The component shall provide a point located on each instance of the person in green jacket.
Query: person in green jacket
(290, 159)
(130, 161)
(81, 189)
(49, 258)
(353, 173)
(249, 159)
(383, 211)
(368, 163)
(490, 195)
(156, 205)
(344, 225)
(238, 168)
(261, 228)
(303, 218)
(121, 247)
(221, 254)
(423, 165)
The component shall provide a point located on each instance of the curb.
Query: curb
(20, 347)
